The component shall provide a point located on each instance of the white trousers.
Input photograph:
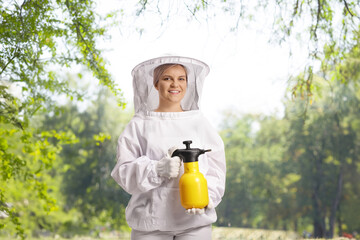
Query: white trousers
(200, 233)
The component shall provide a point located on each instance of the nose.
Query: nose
(174, 83)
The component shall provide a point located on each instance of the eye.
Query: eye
(182, 79)
(166, 78)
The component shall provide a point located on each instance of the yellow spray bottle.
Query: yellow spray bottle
(192, 184)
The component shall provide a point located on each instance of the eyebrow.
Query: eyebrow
(171, 76)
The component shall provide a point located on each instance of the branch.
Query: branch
(22, 35)
(347, 8)
(77, 25)
(296, 8)
(204, 3)
(11, 59)
(317, 18)
(241, 13)
(191, 11)
(143, 7)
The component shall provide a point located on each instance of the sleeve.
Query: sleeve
(216, 163)
(133, 171)
(216, 174)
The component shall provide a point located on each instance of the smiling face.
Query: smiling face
(171, 86)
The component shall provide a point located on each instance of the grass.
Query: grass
(219, 233)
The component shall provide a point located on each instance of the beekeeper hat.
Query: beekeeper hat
(146, 97)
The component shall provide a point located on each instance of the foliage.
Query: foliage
(285, 173)
(38, 40)
(78, 184)
(298, 172)
(87, 185)
(257, 187)
(325, 29)
(25, 155)
(324, 153)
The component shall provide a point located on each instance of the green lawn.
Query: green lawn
(219, 233)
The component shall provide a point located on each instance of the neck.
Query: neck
(169, 108)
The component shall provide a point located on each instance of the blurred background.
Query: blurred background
(283, 92)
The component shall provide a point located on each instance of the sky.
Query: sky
(247, 73)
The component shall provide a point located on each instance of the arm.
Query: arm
(215, 171)
(216, 175)
(133, 172)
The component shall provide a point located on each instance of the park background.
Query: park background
(282, 92)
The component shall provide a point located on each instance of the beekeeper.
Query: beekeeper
(167, 94)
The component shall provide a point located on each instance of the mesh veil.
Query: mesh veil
(146, 97)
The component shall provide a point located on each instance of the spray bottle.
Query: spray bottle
(192, 184)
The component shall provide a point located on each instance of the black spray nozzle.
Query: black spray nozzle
(189, 154)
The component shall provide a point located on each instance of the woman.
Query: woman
(166, 99)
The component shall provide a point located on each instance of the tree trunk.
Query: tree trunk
(339, 222)
(335, 204)
(318, 217)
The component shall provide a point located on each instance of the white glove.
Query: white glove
(195, 211)
(198, 211)
(171, 151)
(169, 166)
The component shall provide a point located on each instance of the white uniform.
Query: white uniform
(155, 201)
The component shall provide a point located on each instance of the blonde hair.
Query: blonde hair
(159, 70)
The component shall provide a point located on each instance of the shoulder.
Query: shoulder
(133, 126)
(206, 123)
(210, 133)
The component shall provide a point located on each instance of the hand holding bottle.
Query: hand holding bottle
(169, 166)
(198, 211)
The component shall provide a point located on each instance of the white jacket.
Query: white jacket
(155, 201)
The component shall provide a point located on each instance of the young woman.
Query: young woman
(166, 98)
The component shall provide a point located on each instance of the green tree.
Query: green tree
(324, 151)
(87, 185)
(38, 40)
(235, 208)
(325, 29)
(295, 172)
(257, 193)
(79, 180)
(301, 170)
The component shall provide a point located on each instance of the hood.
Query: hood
(146, 97)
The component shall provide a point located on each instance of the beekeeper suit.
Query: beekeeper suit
(155, 199)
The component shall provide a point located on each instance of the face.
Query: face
(172, 85)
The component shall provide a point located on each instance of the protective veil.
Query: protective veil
(155, 201)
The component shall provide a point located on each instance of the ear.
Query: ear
(156, 86)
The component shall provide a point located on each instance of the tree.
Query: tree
(38, 40)
(324, 151)
(235, 208)
(79, 180)
(300, 170)
(257, 186)
(324, 28)
(41, 38)
(294, 172)
(87, 185)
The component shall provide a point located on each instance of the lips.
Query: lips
(174, 92)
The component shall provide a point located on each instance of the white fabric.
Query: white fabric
(146, 97)
(194, 211)
(155, 201)
(201, 233)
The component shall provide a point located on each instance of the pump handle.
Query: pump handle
(187, 143)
